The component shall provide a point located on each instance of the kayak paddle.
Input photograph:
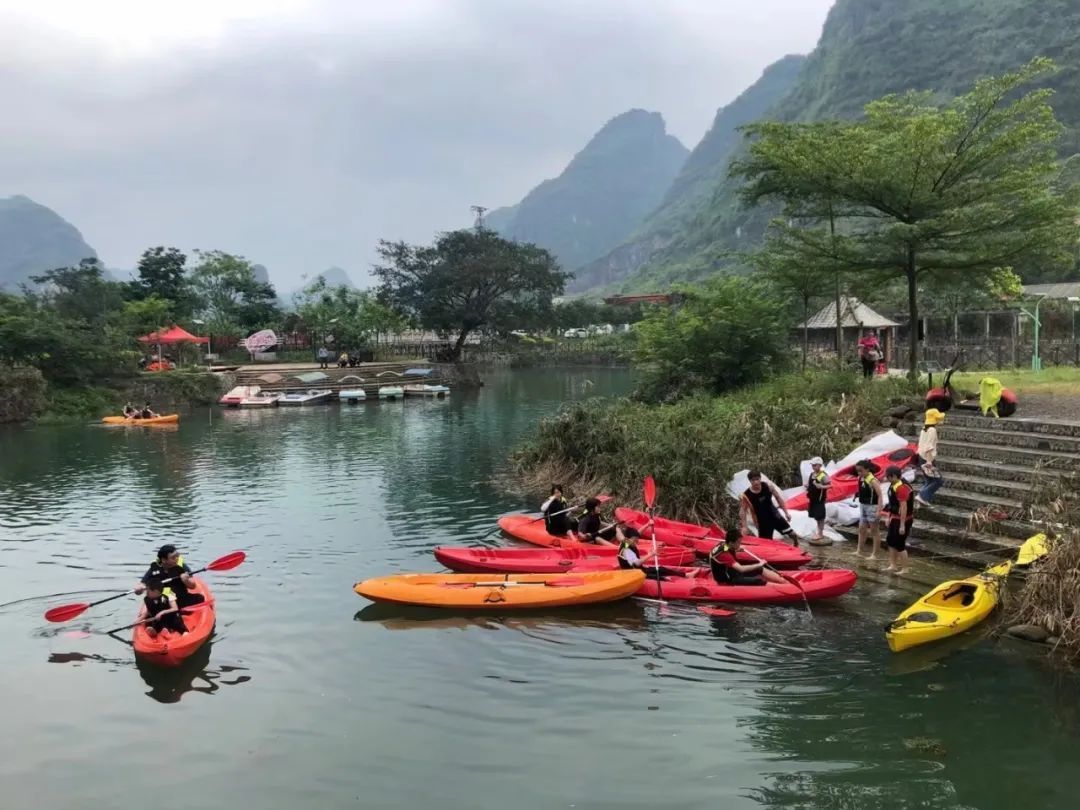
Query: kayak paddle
(649, 491)
(717, 612)
(65, 613)
(566, 582)
(183, 611)
(793, 581)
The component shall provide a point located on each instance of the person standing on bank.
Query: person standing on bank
(869, 353)
(869, 496)
(928, 450)
(901, 516)
(324, 357)
(765, 502)
(817, 492)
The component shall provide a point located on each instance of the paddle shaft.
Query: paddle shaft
(182, 611)
(795, 582)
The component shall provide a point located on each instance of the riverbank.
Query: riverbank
(695, 445)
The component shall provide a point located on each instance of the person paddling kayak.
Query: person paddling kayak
(169, 565)
(817, 492)
(761, 500)
(589, 529)
(556, 513)
(130, 411)
(901, 516)
(726, 568)
(160, 605)
(630, 558)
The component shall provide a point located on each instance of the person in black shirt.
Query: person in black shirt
(761, 500)
(169, 565)
(160, 605)
(557, 513)
(726, 568)
(589, 528)
(817, 492)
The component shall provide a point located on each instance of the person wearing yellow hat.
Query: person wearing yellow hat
(928, 450)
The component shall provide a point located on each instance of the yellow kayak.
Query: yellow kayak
(167, 419)
(951, 608)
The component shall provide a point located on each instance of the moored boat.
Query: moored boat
(261, 399)
(170, 649)
(507, 592)
(238, 394)
(391, 392)
(352, 395)
(949, 609)
(313, 396)
(426, 390)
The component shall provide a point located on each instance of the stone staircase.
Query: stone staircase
(993, 470)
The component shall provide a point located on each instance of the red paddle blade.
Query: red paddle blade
(228, 562)
(603, 498)
(650, 491)
(65, 613)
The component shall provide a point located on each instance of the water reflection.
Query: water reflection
(169, 684)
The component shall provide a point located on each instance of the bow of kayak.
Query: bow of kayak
(170, 649)
(510, 592)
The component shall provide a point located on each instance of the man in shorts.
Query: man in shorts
(901, 516)
(869, 496)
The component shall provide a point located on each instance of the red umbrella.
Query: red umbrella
(171, 336)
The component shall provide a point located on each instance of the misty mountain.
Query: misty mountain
(35, 239)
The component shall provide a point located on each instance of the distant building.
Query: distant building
(855, 317)
(661, 299)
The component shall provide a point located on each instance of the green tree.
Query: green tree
(354, 317)
(727, 334)
(230, 298)
(162, 272)
(79, 293)
(141, 317)
(469, 280)
(785, 270)
(921, 190)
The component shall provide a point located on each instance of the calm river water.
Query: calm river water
(309, 698)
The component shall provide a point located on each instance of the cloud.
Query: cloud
(298, 132)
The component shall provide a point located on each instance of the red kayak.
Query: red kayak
(825, 584)
(545, 560)
(703, 538)
(845, 482)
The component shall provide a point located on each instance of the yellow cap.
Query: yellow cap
(934, 416)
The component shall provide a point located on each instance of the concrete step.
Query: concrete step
(1005, 454)
(974, 550)
(957, 515)
(966, 501)
(976, 484)
(998, 471)
(1011, 438)
(1013, 424)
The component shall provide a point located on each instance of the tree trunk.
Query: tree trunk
(839, 314)
(455, 353)
(805, 331)
(913, 315)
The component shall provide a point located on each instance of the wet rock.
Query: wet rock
(925, 745)
(899, 411)
(889, 422)
(1028, 632)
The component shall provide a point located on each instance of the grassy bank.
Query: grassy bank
(694, 446)
(167, 392)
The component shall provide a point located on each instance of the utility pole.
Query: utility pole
(479, 211)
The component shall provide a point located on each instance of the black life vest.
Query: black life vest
(557, 524)
(894, 502)
(623, 562)
(720, 572)
(814, 494)
(761, 502)
(156, 604)
(869, 493)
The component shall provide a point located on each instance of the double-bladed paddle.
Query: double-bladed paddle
(183, 611)
(65, 613)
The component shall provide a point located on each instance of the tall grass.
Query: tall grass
(694, 446)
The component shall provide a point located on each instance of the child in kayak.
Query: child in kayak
(169, 565)
(160, 605)
(557, 513)
(901, 516)
(589, 528)
(761, 500)
(629, 558)
(726, 568)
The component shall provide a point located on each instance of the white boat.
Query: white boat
(313, 396)
(352, 395)
(237, 394)
(261, 399)
(391, 392)
(426, 390)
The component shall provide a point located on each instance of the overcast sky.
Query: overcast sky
(298, 132)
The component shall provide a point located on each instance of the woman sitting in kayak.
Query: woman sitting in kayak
(630, 558)
(130, 411)
(557, 513)
(147, 413)
(160, 605)
(589, 529)
(727, 570)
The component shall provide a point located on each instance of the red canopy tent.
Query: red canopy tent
(170, 337)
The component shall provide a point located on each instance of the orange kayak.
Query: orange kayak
(169, 649)
(532, 530)
(508, 592)
(167, 419)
